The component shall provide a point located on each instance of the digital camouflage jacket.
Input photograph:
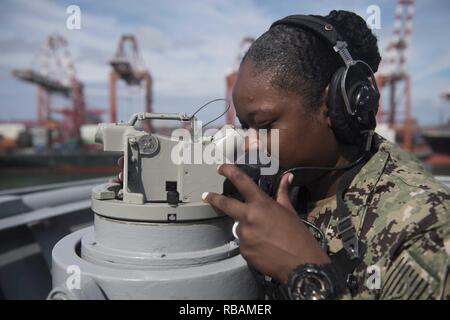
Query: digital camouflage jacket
(403, 215)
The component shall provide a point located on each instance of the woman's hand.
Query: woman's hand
(272, 237)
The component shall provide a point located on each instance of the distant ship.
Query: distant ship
(438, 138)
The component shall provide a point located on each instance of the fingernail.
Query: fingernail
(204, 195)
(218, 167)
(233, 229)
(291, 178)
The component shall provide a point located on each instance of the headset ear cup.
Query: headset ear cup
(341, 121)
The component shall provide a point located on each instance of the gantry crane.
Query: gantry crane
(54, 73)
(230, 79)
(129, 67)
(393, 73)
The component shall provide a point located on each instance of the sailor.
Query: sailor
(366, 221)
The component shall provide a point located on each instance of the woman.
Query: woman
(399, 213)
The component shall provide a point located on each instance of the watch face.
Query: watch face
(311, 285)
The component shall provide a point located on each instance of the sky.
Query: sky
(190, 45)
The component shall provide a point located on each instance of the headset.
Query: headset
(353, 93)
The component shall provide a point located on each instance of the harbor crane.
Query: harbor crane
(230, 79)
(54, 73)
(128, 65)
(392, 73)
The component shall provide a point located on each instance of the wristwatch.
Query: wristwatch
(315, 282)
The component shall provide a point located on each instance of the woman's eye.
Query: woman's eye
(266, 125)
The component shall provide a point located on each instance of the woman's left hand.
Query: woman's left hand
(272, 237)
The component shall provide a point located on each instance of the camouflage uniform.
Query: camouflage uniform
(403, 215)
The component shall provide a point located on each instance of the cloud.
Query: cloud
(17, 44)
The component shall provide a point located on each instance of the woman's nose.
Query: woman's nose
(251, 140)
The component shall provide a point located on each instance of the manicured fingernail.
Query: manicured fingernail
(204, 195)
(291, 178)
(233, 229)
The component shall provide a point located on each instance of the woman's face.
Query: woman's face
(304, 139)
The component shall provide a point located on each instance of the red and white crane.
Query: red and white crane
(54, 73)
(230, 79)
(393, 73)
(128, 65)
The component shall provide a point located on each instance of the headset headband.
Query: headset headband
(326, 31)
(322, 28)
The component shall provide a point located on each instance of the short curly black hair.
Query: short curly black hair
(298, 60)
